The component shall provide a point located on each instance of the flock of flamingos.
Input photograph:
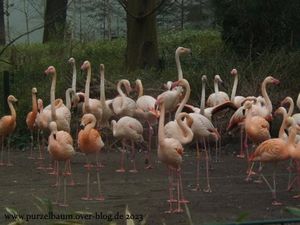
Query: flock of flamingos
(126, 117)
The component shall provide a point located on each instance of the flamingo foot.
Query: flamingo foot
(149, 167)
(30, 157)
(40, 167)
(55, 185)
(67, 174)
(100, 165)
(168, 211)
(184, 201)
(276, 203)
(133, 171)
(55, 203)
(241, 156)
(207, 190)
(197, 188)
(100, 198)
(122, 170)
(171, 200)
(178, 210)
(248, 179)
(259, 181)
(250, 172)
(63, 205)
(53, 172)
(71, 184)
(296, 196)
(9, 164)
(86, 198)
(88, 166)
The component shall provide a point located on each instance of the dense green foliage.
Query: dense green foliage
(209, 56)
(253, 26)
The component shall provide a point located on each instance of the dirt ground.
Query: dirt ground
(145, 192)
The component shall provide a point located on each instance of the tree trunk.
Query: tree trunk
(2, 25)
(142, 47)
(55, 20)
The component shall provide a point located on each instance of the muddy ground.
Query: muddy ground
(145, 192)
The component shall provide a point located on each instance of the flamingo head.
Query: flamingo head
(168, 85)
(183, 51)
(87, 119)
(218, 79)
(204, 78)
(214, 132)
(33, 90)
(71, 60)
(127, 86)
(270, 79)
(286, 101)
(155, 112)
(12, 98)
(50, 70)
(85, 65)
(233, 72)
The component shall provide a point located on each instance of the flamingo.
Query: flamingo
(275, 150)
(257, 129)
(59, 113)
(123, 105)
(219, 96)
(177, 129)
(236, 100)
(296, 116)
(127, 128)
(60, 146)
(90, 143)
(30, 119)
(7, 127)
(170, 152)
(146, 111)
(90, 105)
(106, 110)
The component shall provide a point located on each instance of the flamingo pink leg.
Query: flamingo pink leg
(133, 170)
(2, 151)
(208, 189)
(242, 153)
(68, 172)
(64, 204)
(197, 188)
(88, 167)
(148, 157)
(122, 169)
(31, 145)
(178, 210)
(8, 153)
(100, 195)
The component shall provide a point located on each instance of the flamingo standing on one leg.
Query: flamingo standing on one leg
(146, 111)
(128, 128)
(170, 152)
(90, 143)
(30, 120)
(60, 146)
(7, 127)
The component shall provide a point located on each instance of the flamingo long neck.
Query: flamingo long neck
(216, 86)
(291, 106)
(90, 126)
(298, 101)
(12, 110)
(68, 97)
(140, 88)
(74, 77)
(235, 84)
(178, 65)
(119, 89)
(114, 123)
(102, 88)
(202, 103)
(282, 127)
(52, 96)
(186, 131)
(34, 103)
(87, 87)
(186, 97)
(294, 152)
(161, 124)
(266, 96)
